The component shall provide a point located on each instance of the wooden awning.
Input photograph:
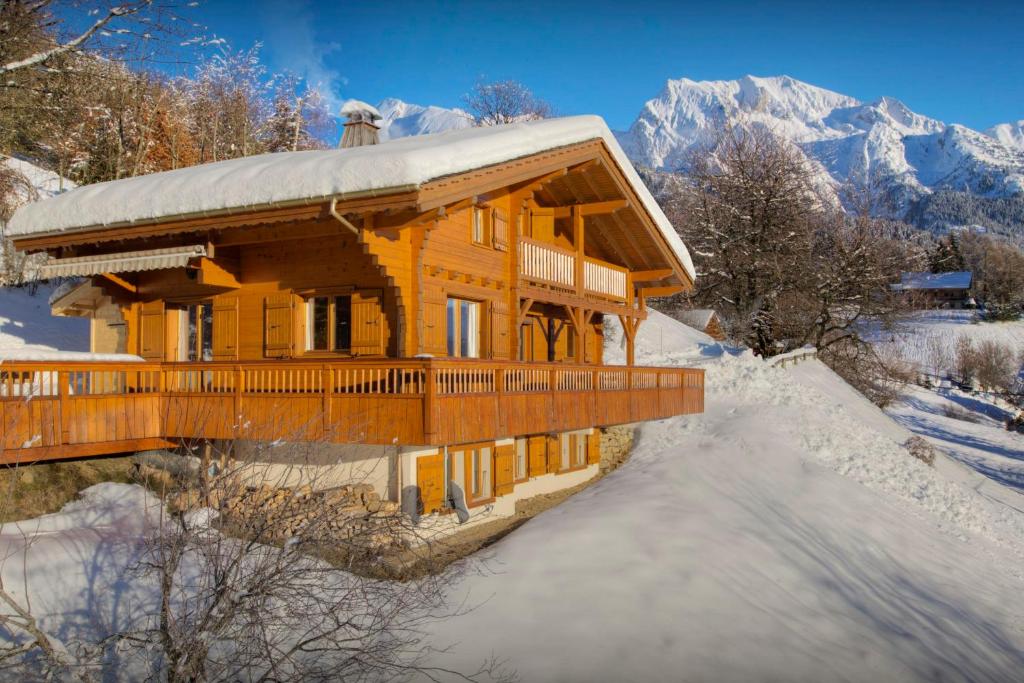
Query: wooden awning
(124, 262)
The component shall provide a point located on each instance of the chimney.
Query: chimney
(360, 128)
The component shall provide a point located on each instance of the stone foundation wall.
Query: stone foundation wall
(616, 444)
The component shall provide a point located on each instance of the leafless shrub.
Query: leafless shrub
(988, 364)
(879, 378)
(502, 102)
(920, 449)
(958, 413)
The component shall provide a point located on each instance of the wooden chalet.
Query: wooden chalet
(440, 296)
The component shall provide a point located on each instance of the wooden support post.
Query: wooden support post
(578, 237)
(429, 399)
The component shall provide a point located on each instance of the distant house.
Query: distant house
(704, 319)
(937, 290)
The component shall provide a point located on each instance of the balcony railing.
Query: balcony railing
(550, 266)
(59, 410)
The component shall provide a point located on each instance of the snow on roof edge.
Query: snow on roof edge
(321, 174)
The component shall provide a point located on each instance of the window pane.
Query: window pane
(452, 325)
(193, 332)
(469, 342)
(318, 322)
(207, 336)
(342, 323)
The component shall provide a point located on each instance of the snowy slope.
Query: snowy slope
(1010, 134)
(783, 535)
(882, 141)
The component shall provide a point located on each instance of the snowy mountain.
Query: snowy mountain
(883, 142)
(401, 119)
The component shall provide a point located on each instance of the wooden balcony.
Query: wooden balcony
(64, 410)
(548, 267)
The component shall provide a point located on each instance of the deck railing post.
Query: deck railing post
(429, 399)
(239, 390)
(62, 395)
(327, 386)
(499, 393)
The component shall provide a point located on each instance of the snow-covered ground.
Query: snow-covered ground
(785, 534)
(969, 427)
(28, 331)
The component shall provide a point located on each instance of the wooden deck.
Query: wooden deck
(66, 410)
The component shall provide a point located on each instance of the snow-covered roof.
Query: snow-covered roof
(697, 318)
(318, 175)
(955, 280)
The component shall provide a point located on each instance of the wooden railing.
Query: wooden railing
(605, 279)
(547, 264)
(59, 410)
(550, 266)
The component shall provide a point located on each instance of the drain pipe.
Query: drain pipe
(341, 219)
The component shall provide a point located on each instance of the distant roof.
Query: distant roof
(955, 280)
(319, 175)
(697, 318)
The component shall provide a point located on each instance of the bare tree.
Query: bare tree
(502, 102)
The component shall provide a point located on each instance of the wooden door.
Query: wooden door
(278, 315)
(367, 323)
(152, 332)
(430, 482)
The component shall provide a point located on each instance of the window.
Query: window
(480, 225)
(329, 324)
(471, 469)
(573, 451)
(195, 332)
(522, 452)
(463, 328)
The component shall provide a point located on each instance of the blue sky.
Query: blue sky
(955, 63)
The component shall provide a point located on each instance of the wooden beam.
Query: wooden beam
(217, 273)
(120, 282)
(591, 208)
(652, 275)
(647, 292)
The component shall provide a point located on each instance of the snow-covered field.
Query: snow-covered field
(785, 534)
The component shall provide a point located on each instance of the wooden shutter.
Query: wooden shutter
(499, 330)
(499, 229)
(504, 469)
(435, 322)
(278, 315)
(367, 323)
(594, 448)
(538, 460)
(225, 328)
(554, 453)
(430, 482)
(152, 333)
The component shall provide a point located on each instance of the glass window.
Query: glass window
(463, 328)
(195, 336)
(342, 323)
(329, 323)
(319, 323)
(479, 225)
(522, 446)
